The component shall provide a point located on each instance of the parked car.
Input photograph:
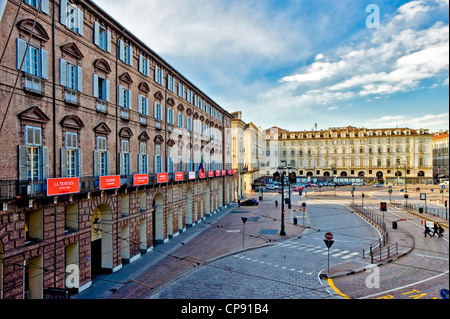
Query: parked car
(446, 183)
(299, 188)
(271, 186)
(250, 202)
(378, 185)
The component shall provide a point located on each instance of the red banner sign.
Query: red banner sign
(217, 173)
(62, 186)
(140, 179)
(211, 174)
(163, 178)
(109, 182)
(202, 174)
(179, 176)
(224, 172)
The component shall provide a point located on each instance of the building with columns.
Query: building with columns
(389, 154)
(440, 156)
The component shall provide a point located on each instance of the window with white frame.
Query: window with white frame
(125, 52)
(158, 165)
(143, 158)
(102, 37)
(125, 156)
(71, 157)
(72, 17)
(101, 88)
(189, 124)
(124, 97)
(159, 75)
(101, 157)
(181, 93)
(180, 120)
(144, 65)
(170, 165)
(189, 96)
(158, 111)
(70, 75)
(32, 59)
(33, 141)
(143, 105)
(170, 83)
(170, 116)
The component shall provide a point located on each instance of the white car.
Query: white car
(270, 186)
(446, 183)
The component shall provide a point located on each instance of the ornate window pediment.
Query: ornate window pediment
(39, 32)
(101, 64)
(126, 133)
(171, 101)
(144, 87)
(181, 107)
(102, 128)
(126, 78)
(73, 50)
(159, 96)
(34, 114)
(72, 121)
(144, 137)
(159, 139)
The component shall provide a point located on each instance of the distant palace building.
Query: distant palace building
(389, 154)
(105, 150)
(441, 155)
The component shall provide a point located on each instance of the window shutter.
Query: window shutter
(44, 155)
(107, 90)
(130, 55)
(129, 99)
(80, 162)
(44, 64)
(155, 164)
(21, 51)
(44, 6)
(80, 17)
(141, 63)
(62, 72)
(63, 12)
(64, 162)
(108, 163)
(96, 34)
(147, 65)
(96, 163)
(80, 79)
(121, 50)
(108, 41)
(23, 162)
(121, 162)
(121, 94)
(95, 86)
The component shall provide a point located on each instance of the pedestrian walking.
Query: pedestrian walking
(276, 203)
(436, 229)
(427, 230)
(440, 231)
(239, 203)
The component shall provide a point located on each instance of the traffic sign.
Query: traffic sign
(329, 236)
(303, 205)
(328, 243)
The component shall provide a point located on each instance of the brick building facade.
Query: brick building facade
(83, 100)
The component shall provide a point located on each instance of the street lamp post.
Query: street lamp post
(282, 177)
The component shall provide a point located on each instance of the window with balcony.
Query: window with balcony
(33, 61)
(143, 158)
(101, 92)
(124, 102)
(71, 157)
(101, 157)
(143, 109)
(71, 77)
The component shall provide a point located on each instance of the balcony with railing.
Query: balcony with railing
(33, 84)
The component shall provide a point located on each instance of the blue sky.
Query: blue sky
(293, 63)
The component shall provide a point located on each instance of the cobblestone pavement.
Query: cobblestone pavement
(282, 270)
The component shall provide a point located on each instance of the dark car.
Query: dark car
(250, 202)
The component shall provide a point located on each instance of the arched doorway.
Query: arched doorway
(398, 174)
(380, 176)
(101, 239)
(344, 174)
(421, 174)
(361, 174)
(158, 219)
(326, 174)
(309, 174)
(189, 207)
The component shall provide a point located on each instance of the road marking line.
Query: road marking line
(350, 255)
(330, 282)
(341, 253)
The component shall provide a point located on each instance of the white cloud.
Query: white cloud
(431, 121)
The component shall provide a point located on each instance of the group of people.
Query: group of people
(437, 229)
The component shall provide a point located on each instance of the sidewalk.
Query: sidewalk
(106, 285)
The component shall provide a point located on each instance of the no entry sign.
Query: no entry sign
(329, 236)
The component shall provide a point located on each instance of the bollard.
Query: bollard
(295, 221)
